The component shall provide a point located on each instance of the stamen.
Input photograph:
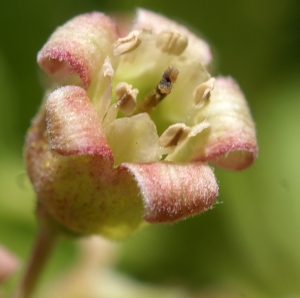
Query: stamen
(171, 42)
(127, 43)
(107, 68)
(126, 98)
(174, 135)
(111, 115)
(103, 90)
(202, 92)
(163, 88)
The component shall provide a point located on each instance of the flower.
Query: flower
(9, 264)
(129, 123)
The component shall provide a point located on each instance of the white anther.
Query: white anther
(171, 42)
(128, 43)
(202, 92)
(126, 98)
(174, 135)
(103, 90)
(107, 68)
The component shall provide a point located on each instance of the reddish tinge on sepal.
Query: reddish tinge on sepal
(79, 47)
(73, 125)
(174, 191)
(232, 142)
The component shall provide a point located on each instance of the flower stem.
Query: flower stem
(42, 249)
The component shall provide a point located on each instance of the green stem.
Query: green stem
(42, 249)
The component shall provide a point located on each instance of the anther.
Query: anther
(128, 43)
(202, 92)
(126, 98)
(174, 135)
(163, 88)
(171, 42)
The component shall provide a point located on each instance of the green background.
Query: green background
(248, 244)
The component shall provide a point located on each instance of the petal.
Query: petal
(197, 47)
(174, 191)
(230, 141)
(133, 139)
(73, 125)
(79, 46)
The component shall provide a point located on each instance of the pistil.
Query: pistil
(164, 87)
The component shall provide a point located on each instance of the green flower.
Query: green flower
(128, 124)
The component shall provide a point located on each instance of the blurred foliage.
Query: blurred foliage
(248, 244)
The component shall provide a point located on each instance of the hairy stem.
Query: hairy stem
(41, 252)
